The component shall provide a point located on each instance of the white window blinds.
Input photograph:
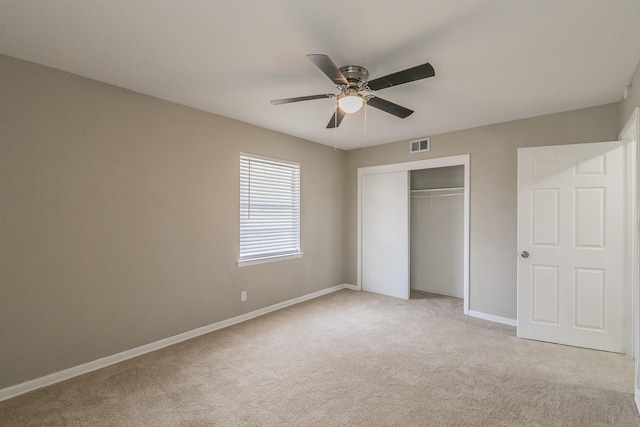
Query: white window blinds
(269, 207)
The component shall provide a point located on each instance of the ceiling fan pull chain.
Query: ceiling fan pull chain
(364, 142)
(335, 128)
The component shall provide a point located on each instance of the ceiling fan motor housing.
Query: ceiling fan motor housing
(356, 75)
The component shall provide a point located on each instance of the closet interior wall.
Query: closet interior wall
(437, 231)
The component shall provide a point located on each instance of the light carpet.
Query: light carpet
(347, 359)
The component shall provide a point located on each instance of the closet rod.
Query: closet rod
(438, 192)
(433, 196)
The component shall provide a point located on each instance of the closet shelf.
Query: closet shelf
(438, 192)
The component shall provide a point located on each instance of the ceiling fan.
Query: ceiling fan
(352, 80)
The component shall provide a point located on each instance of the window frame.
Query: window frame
(245, 179)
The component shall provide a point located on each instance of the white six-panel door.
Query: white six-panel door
(570, 224)
(385, 233)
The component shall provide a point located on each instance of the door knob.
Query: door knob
(524, 254)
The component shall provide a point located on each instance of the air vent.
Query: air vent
(420, 145)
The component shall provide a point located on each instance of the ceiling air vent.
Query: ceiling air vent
(420, 145)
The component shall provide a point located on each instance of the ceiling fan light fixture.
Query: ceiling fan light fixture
(350, 103)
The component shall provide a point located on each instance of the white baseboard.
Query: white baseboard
(493, 318)
(66, 374)
(352, 287)
(637, 396)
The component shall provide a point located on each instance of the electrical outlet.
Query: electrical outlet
(243, 296)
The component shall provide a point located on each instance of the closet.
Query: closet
(413, 227)
(437, 230)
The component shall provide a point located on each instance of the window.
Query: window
(269, 209)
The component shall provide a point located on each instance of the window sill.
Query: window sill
(265, 260)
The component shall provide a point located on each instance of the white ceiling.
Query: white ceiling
(495, 61)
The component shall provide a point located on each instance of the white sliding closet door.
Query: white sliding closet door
(385, 233)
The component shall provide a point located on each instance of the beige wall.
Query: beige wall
(628, 105)
(493, 151)
(118, 220)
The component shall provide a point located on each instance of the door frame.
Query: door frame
(630, 134)
(439, 162)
